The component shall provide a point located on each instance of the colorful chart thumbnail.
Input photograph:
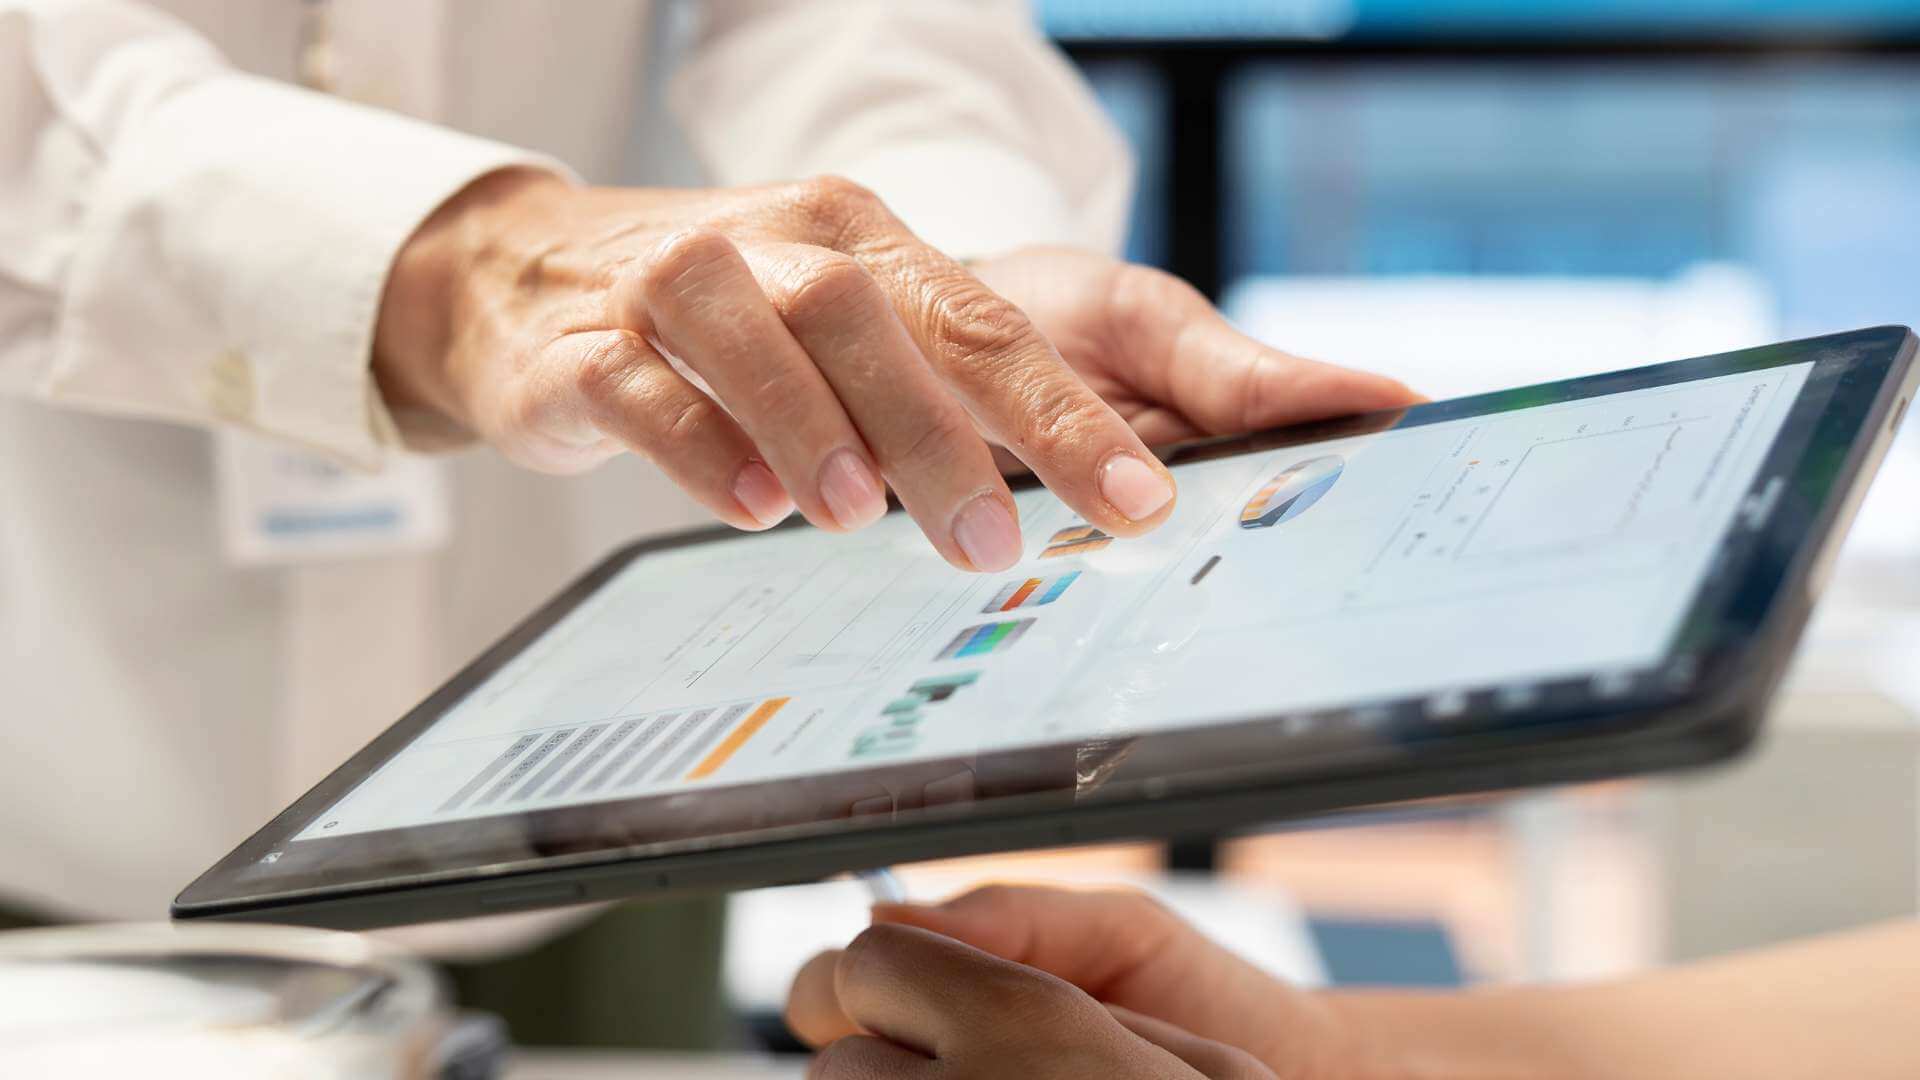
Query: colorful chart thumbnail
(1291, 491)
(901, 719)
(937, 688)
(981, 640)
(1075, 540)
(1031, 592)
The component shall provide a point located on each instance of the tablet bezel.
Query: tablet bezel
(1700, 705)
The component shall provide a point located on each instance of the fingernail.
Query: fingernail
(851, 490)
(757, 490)
(1134, 487)
(987, 534)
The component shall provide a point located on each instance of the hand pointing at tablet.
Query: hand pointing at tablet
(795, 346)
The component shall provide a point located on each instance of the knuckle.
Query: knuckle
(973, 324)
(826, 287)
(606, 370)
(835, 200)
(1041, 1001)
(688, 418)
(1059, 417)
(685, 257)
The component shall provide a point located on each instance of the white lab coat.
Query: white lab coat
(184, 246)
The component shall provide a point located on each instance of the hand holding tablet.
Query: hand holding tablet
(1575, 580)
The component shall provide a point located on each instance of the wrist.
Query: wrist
(430, 291)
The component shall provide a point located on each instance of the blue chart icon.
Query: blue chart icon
(1291, 491)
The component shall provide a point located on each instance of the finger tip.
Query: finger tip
(855, 519)
(749, 523)
(986, 535)
(1136, 487)
(1400, 393)
(1127, 528)
(744, 521)
(994, 566)
(827, 522)
(760, 496)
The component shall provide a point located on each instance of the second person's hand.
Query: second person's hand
(1121, 948)
(915, 1004)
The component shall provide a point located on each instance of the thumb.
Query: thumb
(1190, 357)
(1099, 941)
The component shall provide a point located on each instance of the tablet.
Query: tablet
(1569, 581)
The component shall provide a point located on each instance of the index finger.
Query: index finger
(1009, 377)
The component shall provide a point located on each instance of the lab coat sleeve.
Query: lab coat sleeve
(958, 113)
(182, 241)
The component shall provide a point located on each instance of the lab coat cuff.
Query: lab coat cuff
(973, 198)
(231, 266)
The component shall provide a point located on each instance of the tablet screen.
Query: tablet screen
(1483, 547)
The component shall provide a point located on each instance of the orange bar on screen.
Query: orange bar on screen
(755, 720)
(1020, 595)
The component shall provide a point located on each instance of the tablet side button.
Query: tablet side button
(532, 896)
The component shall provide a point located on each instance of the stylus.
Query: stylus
(883, 884)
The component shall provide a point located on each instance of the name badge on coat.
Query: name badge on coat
(281, 505)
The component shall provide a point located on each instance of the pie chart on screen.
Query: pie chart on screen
(1291, 491)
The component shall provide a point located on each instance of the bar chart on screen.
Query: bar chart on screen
(1075, 540)
(898, 730)
(984, 639)
(621, 756)
(737, 737)
(1029, 592)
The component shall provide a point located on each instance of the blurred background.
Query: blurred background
(1472, 194)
